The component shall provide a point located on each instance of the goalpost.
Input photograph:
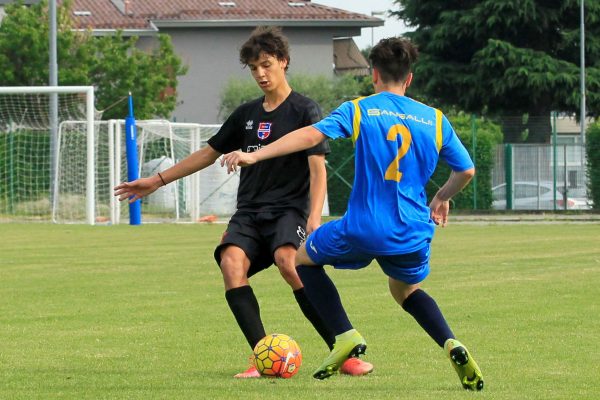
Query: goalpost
(160, 144)
(69, 177)
(29, 148)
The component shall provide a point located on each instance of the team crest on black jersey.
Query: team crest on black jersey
(264, 130)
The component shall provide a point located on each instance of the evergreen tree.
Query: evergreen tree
(517, 58)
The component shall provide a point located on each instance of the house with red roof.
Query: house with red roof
(207, 35)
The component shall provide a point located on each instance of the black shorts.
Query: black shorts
(260, 234)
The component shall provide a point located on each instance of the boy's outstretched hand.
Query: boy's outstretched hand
(137, 189)
(237, 159)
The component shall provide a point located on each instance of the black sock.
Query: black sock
(244, 306)
(313, 316)
(425, 310)
(323, 295)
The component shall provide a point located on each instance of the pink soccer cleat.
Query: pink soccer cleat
(251, 372)
(356, 367)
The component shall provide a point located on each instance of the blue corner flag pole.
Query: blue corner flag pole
(135, 208)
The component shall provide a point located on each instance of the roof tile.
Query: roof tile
(108, 14)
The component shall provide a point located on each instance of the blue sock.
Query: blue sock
(425, 310)
(313, 315)
(322, 293)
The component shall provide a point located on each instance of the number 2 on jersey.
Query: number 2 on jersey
(393, 170)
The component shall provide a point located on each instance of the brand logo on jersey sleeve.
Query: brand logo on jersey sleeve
(264, 130)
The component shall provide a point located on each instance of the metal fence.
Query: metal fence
(540, 177)
(520, 176)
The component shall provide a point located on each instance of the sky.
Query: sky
(392, 26)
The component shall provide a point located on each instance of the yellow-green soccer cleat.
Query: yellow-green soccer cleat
(348, 344)
(467, 369)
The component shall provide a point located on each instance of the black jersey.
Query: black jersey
(281, 182)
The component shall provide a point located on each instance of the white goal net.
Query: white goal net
(29, 121)
(160, 144)
(67, 175)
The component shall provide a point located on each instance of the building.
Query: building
(207, 35)
(348, 59)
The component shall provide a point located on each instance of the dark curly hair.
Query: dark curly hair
(268, 39)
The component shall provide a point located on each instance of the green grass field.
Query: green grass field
(139, 313)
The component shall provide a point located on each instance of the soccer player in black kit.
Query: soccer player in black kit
(279, 201)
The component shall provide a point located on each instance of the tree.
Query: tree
(506, 58)
(592, 145)
(487, 135)
(328, 92)
(111, 63)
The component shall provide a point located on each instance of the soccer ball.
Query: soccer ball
(278, 356)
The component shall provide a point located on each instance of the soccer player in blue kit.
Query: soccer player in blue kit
(398, 142)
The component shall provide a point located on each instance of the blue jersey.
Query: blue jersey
(398, 142)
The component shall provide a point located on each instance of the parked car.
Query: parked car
(539, 196)
(579, 198)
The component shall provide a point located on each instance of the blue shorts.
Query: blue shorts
(328, 246)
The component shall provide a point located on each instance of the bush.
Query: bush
(340, 175)
(26, 175)
(487, 136)
(592, 148)
(328, 92)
